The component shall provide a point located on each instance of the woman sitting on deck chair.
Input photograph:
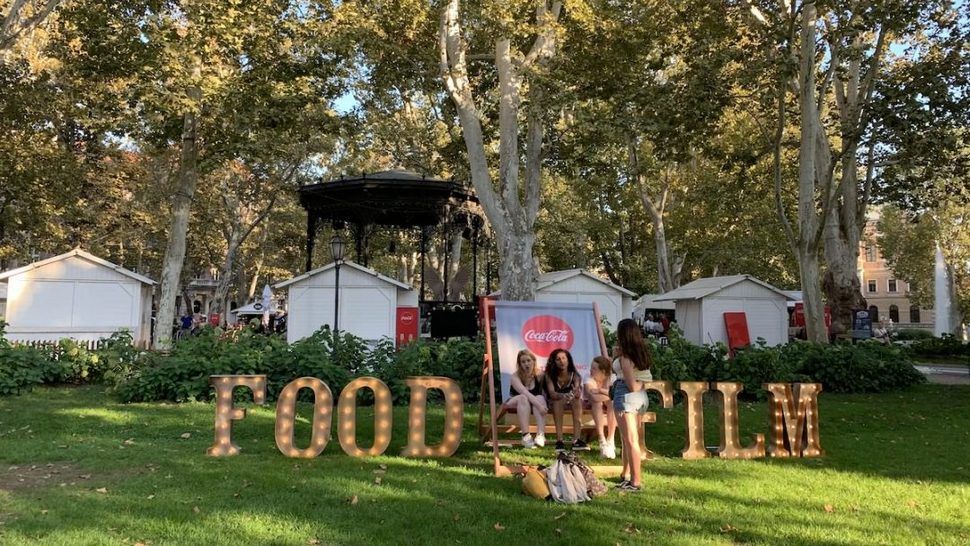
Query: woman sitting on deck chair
(528, 398)
(564, 388)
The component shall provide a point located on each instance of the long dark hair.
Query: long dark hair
(552, 370)
(630, 340)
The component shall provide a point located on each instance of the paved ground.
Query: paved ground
(945, 375)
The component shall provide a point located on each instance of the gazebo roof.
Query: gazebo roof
(389, 198)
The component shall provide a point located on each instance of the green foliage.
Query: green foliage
(457, 359)
(940, 347)
(865, 367)
(912, 334)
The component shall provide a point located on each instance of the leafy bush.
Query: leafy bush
(864, 367)
(912, 334)
(944, 346)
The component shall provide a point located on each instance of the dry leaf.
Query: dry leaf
(380, 472)
(44, 512)
(631, 528)
(353, 500)
(560, 516)
(185, 435)
(102, 490)
(377, 480)
(382, 466)
(728, 528)
(912, 503)
(456, 517)
(558, 531)
(85, 476)
(196, 509)
(313, 541)
(829, 508)
(499, 527)
(129, 441)
(150, 497)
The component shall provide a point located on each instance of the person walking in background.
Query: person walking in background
(632, 368)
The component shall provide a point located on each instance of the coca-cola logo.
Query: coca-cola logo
(407, 318)
(545, 333)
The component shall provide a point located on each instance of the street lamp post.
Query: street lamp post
(337, 247)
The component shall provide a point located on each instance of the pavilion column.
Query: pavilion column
(311, 234)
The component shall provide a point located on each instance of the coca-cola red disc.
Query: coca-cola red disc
(545, 333)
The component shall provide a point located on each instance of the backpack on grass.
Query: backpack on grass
(571, 481)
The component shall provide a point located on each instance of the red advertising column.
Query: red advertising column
(407, 325)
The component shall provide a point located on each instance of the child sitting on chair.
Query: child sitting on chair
(598, 393)
(564, 388)
(527, 398)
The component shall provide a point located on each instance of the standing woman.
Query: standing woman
(564, 388)
(632, 368)
(528, 398)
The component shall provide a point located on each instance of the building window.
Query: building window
(894, 313)
(870, 252)
(872, 287)
(892, 285)
(874, 313)
(914, 314)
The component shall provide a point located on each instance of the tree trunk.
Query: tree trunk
(225, 277)
(511, 215)
(181, 207)
(808, 179)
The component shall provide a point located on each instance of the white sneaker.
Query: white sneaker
(527, 442)
(540, 440)
(610, 451)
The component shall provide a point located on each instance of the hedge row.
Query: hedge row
(183, 373)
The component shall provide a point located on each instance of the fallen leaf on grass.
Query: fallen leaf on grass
(102, 490)
(631, 528)
(85, 476)
(377, 480)
(196, 509)
(353, 500)
(728, 528)
(558, 531)
(129, 441)
(380, 472)
(185, 435)
(456, 517)
(150, 497)
(560, 516)
(44, 512)
(912, 503)
(829, 508)
(382, 466)
(313, 541)
(499, 527)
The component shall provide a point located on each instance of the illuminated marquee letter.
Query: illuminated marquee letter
(695, 419)
(347, 412)
(730, 443)
(667, 393)
(794, 419)
(454, 414)
(226, 414)
(286, 417)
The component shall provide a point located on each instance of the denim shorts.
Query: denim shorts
(625, 401)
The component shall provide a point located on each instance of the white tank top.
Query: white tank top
(638, 375)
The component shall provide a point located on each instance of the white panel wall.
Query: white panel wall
(767, 318)
(689, 320)
(613, 304)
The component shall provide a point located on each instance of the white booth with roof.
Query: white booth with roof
(368, 302)
(701, 305)
(79, 296)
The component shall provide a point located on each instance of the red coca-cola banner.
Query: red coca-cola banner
(407, 325)
(543, 328)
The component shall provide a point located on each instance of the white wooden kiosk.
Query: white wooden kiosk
(701, 306)
(368, 302)
(580, 286)
(79, 296)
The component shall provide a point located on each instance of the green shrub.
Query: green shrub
(912, 334)
(863, 367)
(21, 368)
(944, 346)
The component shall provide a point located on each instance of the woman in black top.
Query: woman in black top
(564, 388)
(527, 397)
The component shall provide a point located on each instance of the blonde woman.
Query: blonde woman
(528, 398)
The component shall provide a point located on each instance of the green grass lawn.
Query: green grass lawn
(78, 468)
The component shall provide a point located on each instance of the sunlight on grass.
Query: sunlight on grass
(82, 469)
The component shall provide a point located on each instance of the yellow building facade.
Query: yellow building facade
(888, 296)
